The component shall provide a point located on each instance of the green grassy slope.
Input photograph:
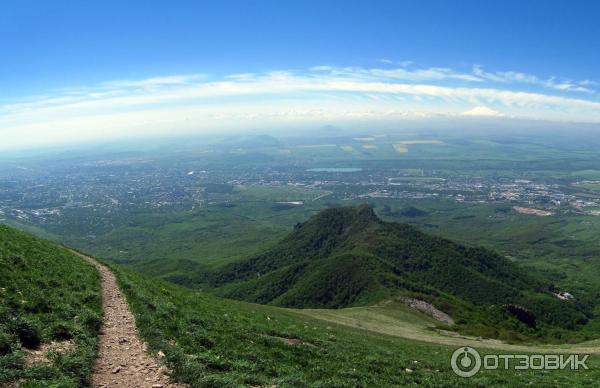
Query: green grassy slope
(395, 318)
(46, 295)
(213, 342)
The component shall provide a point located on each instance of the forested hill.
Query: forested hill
(348, 256)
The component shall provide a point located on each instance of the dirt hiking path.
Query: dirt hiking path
(122, 360)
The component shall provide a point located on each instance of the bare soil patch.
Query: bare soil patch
(41, 354)
(428, 309)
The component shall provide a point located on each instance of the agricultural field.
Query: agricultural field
(281, 194)
(587, 185)
(400, 148)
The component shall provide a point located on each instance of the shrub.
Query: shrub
(61, 331)
(5, 344)
(28, 333)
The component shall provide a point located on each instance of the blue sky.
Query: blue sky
(75, 69)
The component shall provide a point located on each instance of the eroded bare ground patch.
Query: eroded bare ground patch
(123, 360)
(292, 341)
(41, 355)
(428, 309)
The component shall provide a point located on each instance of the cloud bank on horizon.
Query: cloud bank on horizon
(394, 91)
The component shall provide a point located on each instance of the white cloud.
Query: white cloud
(513, 77)
(401, 73)
(173, 80)
(321, 94)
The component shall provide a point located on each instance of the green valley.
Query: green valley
(247, 265)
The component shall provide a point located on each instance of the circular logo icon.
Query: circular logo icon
(466, 362)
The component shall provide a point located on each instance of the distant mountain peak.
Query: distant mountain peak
(344, 217)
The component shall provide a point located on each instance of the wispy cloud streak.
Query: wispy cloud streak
(320, 94)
